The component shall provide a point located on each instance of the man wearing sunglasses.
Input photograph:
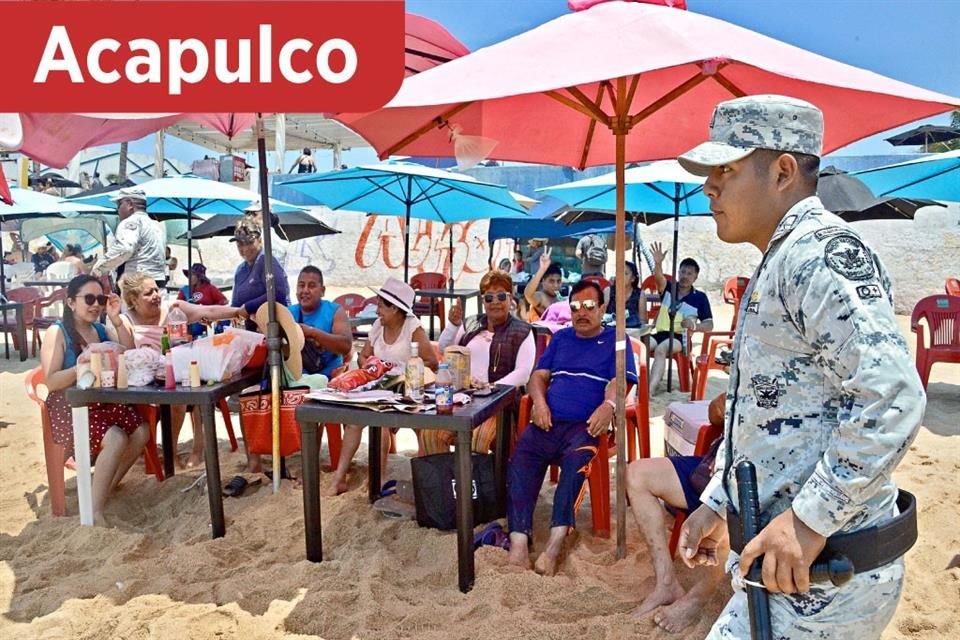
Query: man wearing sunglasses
(139, 244)
(573, 391)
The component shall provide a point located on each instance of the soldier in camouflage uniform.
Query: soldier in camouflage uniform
(823, 396)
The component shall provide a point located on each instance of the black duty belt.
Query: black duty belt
(867, 548)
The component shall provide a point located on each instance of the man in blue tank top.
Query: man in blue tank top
(326, 329)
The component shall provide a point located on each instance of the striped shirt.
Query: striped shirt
(580, 369)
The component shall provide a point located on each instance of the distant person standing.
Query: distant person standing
(96, 183)
(138, 245)
(592, 252)
(170, 261)
(305, 163)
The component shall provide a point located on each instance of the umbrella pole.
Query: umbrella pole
(189, 253)
(450, 280)
(406, 233)
(273, 330)
(3, 276)
(620, 129)
(672, 309)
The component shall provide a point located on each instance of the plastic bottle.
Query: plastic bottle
(121, 372)
(443, 388)
(414, 375)
(164, 342)
(177, 327)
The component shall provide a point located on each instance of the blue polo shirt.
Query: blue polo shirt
(320, 318)
(580, 369)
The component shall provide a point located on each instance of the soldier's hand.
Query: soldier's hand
(456, 315)
(788, 547)
(700, 536)
(541, 415)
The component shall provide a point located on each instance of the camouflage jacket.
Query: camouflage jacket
(824, 397)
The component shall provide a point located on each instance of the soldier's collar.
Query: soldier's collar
(794, 216)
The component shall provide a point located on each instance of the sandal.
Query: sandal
(235, 487)
(492, 535)
(389, 488)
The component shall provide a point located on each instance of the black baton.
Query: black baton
(758, 600)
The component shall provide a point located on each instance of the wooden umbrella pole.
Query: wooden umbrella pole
(274, 359)
(620, 130)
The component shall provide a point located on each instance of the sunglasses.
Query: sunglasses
(500, 297)
(589, 305)
(90, 299)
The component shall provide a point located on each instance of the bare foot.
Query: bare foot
(681, 614)
(334, 489)
(662, 594)
(546, 564)
(519, 555)
(254, 466)
(100, 520)
(195, 459)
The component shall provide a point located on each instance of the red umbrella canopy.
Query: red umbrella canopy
(428, 44)
(550, 94)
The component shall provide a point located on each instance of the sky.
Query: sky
(914, 41)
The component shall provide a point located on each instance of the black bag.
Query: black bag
(434, 489)
(597, 256)
(315, 360)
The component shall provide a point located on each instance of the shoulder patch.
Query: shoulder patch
(829, 232)
(847, 255)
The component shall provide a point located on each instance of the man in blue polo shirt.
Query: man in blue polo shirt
(573, 393)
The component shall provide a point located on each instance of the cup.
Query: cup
(108, 379)
(85, 377)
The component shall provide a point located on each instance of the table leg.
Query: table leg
(310, 460)
(169, 446)
(501, 456)
(22, 334)
(81, 454)
(373, 475)
(211, 457)
(463, 473)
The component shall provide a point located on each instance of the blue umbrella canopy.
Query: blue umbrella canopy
(934, 177)
(408, 190)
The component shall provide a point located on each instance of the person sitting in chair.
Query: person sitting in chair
(573, 390)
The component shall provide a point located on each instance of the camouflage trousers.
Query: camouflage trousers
(860, 609)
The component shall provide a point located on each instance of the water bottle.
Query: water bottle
(414, 374)
(443, 389)
(177, 327)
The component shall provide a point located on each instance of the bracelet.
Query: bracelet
(612, 403)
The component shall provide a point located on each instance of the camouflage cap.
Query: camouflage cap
(248, 230)
(131, 193)
(741, 125)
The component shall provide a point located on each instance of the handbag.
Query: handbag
(315, 359)
(256, 417)
(435, 490)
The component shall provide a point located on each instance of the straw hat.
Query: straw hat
(397, 293)
(290, 333)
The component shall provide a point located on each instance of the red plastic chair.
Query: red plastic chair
(649, 285)
(942, 316)
(733, 290)
(27, 296)
(713, 341)
(707, 434)
(952, 287)
(352, 303)
(54, 453)
(430, 306)
(40, 321)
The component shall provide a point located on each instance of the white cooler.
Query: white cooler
(682, 423)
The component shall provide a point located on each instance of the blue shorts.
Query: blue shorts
(685, 466)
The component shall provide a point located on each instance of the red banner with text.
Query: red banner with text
(202, 56)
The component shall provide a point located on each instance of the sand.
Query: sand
(158, 574)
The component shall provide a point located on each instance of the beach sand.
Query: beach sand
(158, 574)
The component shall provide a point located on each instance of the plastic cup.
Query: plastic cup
(108, 379)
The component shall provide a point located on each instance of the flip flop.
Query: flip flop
(389, 488)
(235, 487)
(492, 535)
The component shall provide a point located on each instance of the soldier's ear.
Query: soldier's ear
(788, 171)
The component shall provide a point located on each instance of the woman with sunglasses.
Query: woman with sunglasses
(394, 330)
(117, 434)
(502, 351)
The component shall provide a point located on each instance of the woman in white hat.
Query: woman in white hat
(395, 329)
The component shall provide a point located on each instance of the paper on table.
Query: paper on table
(373, 396)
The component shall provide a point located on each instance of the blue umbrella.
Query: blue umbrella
(411, 191)
(187, 196)
(655, 191)
(936, 177)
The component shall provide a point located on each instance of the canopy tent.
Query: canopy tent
(543, 93)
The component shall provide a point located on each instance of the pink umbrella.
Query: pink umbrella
(649, 76)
